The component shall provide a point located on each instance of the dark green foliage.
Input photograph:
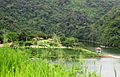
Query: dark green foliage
(27, 43)
(69, 17)
(42, 35)
(1, 37)
(70, 42)
(109, 28)
(51, 16)
(11, 36)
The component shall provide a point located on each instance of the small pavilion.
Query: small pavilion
(98, 50)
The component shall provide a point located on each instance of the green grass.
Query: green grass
(65, 53)
(17, 63)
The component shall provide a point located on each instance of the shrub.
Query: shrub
(70, 42)
(10, 36)
(28, 43)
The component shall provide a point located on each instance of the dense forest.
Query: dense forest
(108, 28)
(88, 20)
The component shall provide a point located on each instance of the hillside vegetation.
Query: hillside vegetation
(91, 20)
(109, 28)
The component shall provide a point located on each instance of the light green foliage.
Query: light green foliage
(53, 41)
(56, 40)
(44, 43)
(16, 63)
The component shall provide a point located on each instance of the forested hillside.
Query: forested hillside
(108, 28)
(83, 19)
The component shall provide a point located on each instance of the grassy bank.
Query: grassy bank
(65, 53)
(17, 63)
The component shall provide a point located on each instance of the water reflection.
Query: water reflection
(106, 67)
(112, 51)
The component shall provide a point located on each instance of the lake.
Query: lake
(112, 51)
(106, 67)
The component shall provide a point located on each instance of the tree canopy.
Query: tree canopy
(92, 20)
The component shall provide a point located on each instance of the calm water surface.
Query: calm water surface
(105, 67)
(112, 51)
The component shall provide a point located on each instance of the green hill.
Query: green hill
(71, 18)
(108, 28)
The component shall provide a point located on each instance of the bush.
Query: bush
(1, 39)
(10, 36)
(42, 35)
(42, 43)
(28, 43)
(70, 42)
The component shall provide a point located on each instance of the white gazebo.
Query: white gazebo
(98, 50)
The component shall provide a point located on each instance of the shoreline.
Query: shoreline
(110, 56)
(101, 56)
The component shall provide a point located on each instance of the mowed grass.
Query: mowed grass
(17, 63)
